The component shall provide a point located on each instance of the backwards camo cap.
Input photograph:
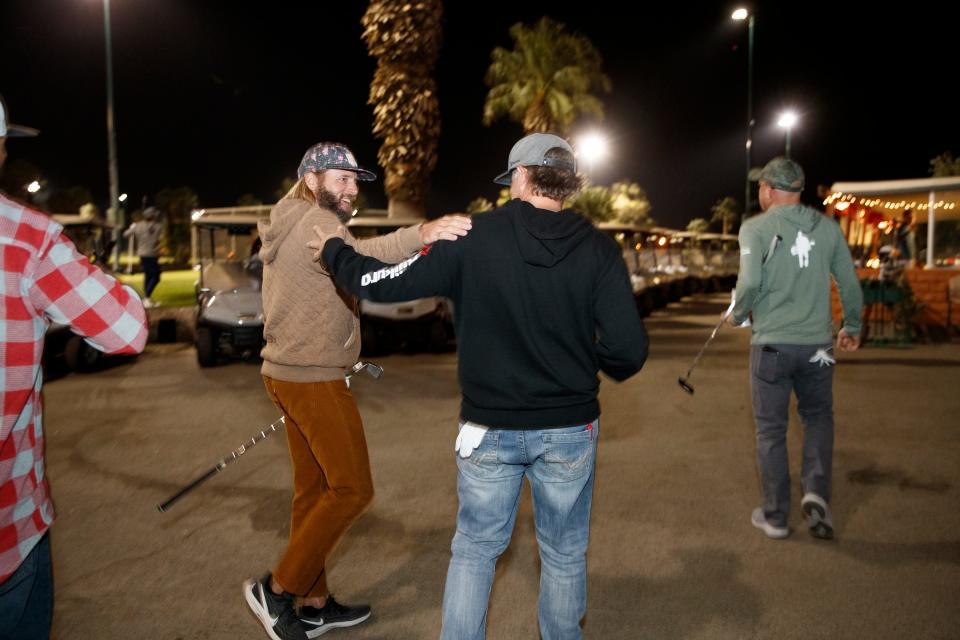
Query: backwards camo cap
(332, 155)
(783, 174)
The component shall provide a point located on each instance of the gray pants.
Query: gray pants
(775, 371)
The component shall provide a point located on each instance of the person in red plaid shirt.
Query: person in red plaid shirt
(44, 279)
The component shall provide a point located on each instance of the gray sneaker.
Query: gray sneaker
(758, 520)
(818, 516)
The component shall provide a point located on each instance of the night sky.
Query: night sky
(225, 97)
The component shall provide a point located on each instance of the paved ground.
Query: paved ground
(672, 552)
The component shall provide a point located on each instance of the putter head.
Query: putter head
(686, 386)
(375, 370)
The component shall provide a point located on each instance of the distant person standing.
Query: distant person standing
(907, 239)
(787, 258)
(147, 234)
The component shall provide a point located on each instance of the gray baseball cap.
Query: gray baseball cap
(783, 174)
(8, 130)
(531, 151)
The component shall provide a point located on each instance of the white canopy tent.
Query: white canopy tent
(937, 196)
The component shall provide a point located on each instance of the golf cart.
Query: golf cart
(91, 236)
(224, 250)
(422, 323)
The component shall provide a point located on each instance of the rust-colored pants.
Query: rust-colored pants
(332, 485)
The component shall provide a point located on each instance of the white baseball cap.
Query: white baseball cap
(8, 130)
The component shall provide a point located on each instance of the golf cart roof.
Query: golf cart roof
(665, 231)
(717, 236)
(229, 217)
(620, 226)
(77, 219)
(383, 221)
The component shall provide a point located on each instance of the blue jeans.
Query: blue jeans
(559, 464)
(776, 370)
(26, 597)
(151, 274)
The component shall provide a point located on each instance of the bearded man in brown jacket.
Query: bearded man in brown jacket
(312, 332)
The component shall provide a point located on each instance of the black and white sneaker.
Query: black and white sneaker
(331, 616)
(275, 612)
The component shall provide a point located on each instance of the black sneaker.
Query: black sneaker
(332, 615)
(275, 612)
(818, 516)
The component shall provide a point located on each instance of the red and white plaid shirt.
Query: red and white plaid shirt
(44, 279)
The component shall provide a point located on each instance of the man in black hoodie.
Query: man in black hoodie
(543, 301)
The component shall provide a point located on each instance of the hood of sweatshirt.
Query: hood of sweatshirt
(546, 237)
(800, 216)
(283, 218)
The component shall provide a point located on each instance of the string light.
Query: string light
(842, 201)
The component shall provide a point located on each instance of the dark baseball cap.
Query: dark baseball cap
(531, 151)
(9, 130)
(332, 155)
(783, 174)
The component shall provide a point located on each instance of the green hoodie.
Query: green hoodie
(789, 294)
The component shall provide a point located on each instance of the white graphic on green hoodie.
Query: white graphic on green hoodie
(801, 249)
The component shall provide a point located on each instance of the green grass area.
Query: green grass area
(176, 288)
(127, 260)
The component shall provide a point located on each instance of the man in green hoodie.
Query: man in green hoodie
(787, 257)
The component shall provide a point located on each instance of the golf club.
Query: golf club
(684, 381)
(375, 371)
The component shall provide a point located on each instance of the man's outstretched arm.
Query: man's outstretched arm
(431, 272)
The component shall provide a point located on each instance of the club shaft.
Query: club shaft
(236, 453)
(706, 344)
(163, 506)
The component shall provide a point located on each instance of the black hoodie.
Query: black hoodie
(542, 301)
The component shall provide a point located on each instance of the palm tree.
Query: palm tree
(945, 165)
(726, 211)
(546, 81)
(630, 203)
(404, 36)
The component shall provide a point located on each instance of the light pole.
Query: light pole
(114, 209)
(743, 14)
(787, 120)
(591, 148)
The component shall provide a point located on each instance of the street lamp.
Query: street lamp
(592, 148)
(743, 14)
(787, 120)
(114, 209)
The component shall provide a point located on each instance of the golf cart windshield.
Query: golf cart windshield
(226, 251)
(89, 234)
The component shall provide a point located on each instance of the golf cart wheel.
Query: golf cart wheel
(371, 341)
(80, 356)
(645, 304)
(207, 339)
(437, 335)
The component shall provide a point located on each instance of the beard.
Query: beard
(328, 200)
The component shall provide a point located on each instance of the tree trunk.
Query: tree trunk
(405, 209)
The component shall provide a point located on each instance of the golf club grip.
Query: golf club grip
(163, 506)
